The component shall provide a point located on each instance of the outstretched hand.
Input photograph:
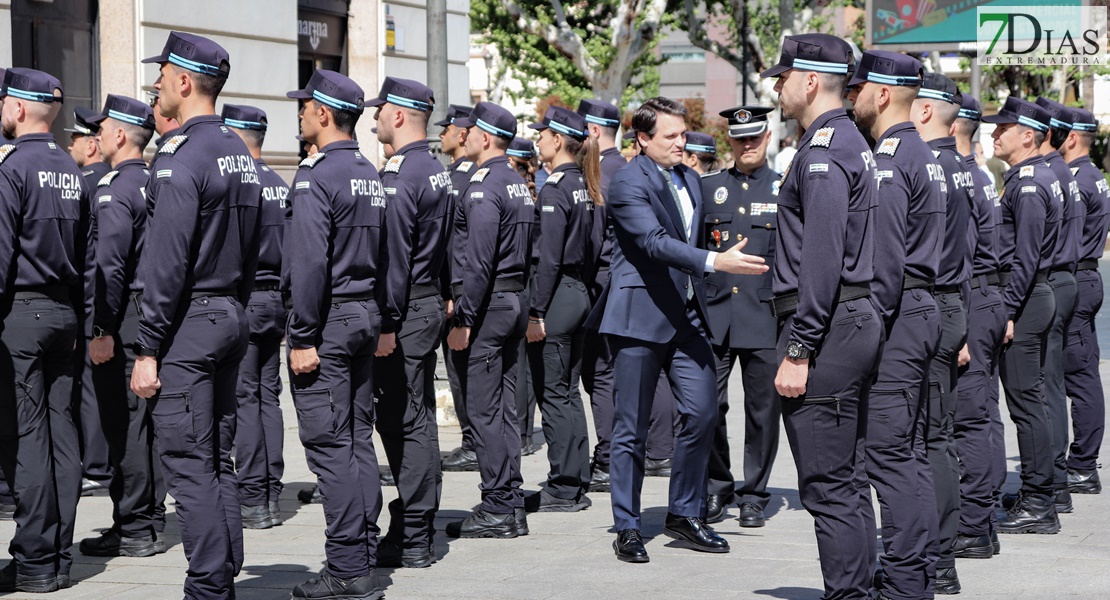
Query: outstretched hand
(736, 262)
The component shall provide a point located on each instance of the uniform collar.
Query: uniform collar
(34, 137)
(1032, 160)
(200, 119)
(503, 158)
(1051, 156)
(610, 151)
(417, 145)
(759, 173)
(1080, 161)
(129, 163)
(820, 122)
(340, 145)
(169, 134)
(896, 129)
(564, 167)
(943, 143)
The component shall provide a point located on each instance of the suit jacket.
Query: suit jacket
(652, 263)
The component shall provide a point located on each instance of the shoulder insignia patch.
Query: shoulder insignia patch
(313, 160)
(163, 173)
(394, 164)
(302, 185)
(6, 151)
(479, 175)
(822, 137)
(1026, 171)
(889, 146)
(936, 153)
(465, 166)
(104, 198)
(265, 168)
(1074, 171)
(1028, 189)
(107, 179)
(173, 144)
(819, 168)
(555, 178)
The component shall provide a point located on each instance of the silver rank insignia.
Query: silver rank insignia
(1074, 171)
(313, 160)
(479, 175)
(394, 164)
(465, 166)
(1026, 171)
(107, 179)
(720, 195)
(556, 177)
(889, 146)
(936, 153)
(6, 151)
(173, 144)
(822, 137)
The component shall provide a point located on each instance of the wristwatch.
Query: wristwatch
(99, 332)
(142, 350)
(796, 350)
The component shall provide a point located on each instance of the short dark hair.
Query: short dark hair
(833, 83)
(256, 136)
(344, 120)
(643, 120)
(501, 143)
(208, 85)
(139, 136)
(1057, 137)
(966, 128)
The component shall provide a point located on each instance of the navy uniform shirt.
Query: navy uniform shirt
(41, 197)
(1096, 198)
(461, 170)
(337, 240)
(204, 233)
(158, 143)
(737, 207)
(1031, 205)
(275, 196)
(986, 214)
(95, 172)
(418, 193)
(909, 225)
(1072, 217)
(492, 235)
(566, 220)
(118, 228)
(955, 258)
(602, 234)
(826, 227)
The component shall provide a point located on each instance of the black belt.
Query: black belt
(213, 293)
(946, 289)
(267, 288)
(787, 304)
(57, 293)
(909, 282)
(343, 299)
(1065, 269)
(572, 271)
(1091, 264)
(987, 278)
(1040, 277)
(502, 284)
(423, 290)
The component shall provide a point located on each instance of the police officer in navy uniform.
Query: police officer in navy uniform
(829, 331)
(7, 502)
(260, 430)
(909, 232)
(934, 111)
(1031, 213)
(976, 427)
(165, 127)
(118, 225)
(197, 269)
(83, 146)
(700, 152)
(1084, 385)
(341, 317)
(418, 193)
(42, 193)
(491, 251)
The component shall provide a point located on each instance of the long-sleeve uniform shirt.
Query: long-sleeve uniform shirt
(601, 234)
(93, 173)
(986, 214)
(566, 223)
(1031, 207)
(337, 243)
(1072, 216)
(203, 237)
(492, 236)
(1096, 197)
(956, 256)
(826, 225)
(275, 199)
(118, 230)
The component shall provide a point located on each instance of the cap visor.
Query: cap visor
(155, 59)
(856, 80)
(775, 71)
(998, 119)
(96, 118)
(745, 131)
(537, 126)
(299, 94)
(443, 123)
(374, 102)
(464, 122)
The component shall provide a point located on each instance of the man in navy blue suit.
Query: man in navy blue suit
(653, 309)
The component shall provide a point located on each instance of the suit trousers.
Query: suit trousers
(1082, 379)
(1065, 291)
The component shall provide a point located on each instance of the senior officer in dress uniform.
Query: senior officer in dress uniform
(41, 198)
(935, 109)
(744, 205)
(1082, 380)
(197, 270)
(1031, 211)
(491, 251)
(340, 302)
(909, 230)
(418, 191)
(829, 331)
(118, 225)
(260, 430)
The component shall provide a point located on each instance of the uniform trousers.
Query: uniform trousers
(194, 420)
(1065, 292)
(260, 431)
(940, 446)
(1082, 379)
(39, 449)
(335, 415)
(95, 462)
(457, 399)
(406, 410)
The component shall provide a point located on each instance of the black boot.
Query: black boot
(973, 546)
(330, 587)
(112, 543)
(256, 517)
(462, 459)
(1032, 513)
(599, 478)
(1082, 481)
(947, 581)
(483, 524)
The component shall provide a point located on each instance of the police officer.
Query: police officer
(909, 232)
(490, 257)
(165, 127)
(560, 303)
(83, 146)
(118, 224)
(1082, 380)
(1061, 279)
(340, 303)
(260, 431)
(829, 332)
(418, 193)
(197, 270)
(700, 152)
(1031, 207)
(935, 109)
(42, 192)
(744, 205)
(7, 502)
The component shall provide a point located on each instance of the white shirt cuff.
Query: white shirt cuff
(709, 259)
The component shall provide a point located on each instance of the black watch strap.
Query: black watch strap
(142, 350)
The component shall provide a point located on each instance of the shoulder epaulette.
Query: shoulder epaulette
(822, 137)
(555, 178)
(313, 160)
(1074, 171)
(1026, 171)
(936, 153)
(394, 164)
(479, 175)
(107, 179)
(889, 146)
(711, 173)
(173, 144)
(6, 151)
(465, 166)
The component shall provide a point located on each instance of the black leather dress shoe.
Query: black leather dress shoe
(629, 546)
(385, 477)
(599, 478)
(1063, 501)
(947, 581)
(112, 543)
(92, 488)
(462, 459)
(330, 587)
(751, 515)
(973, 546)
(693, 533)
(311, 495)
(1033, 513)
(13, 581)
(484, 524)
(520, 518)
(657, 468)
(392, 556)
(715, 508)
(256, 517)
(1081, 481)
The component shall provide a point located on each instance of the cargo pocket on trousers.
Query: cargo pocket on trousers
(890, 418)
(315, 416)
(173, 423)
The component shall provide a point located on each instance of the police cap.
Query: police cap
(454, 111)
(521, 147)
(1083, 120)
(600, 113)
(564, 121)
(746, 121)
(969, 108)
(406, 93)
(241, 116)
(887, 68)
(31, 84)
(334, 90)
(194, 53)
(702, 143)
(1023, 112)
(819, 52)
(82, 123)
(126, 110)
(937, 86)
(1058, 114)
(491, 118)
